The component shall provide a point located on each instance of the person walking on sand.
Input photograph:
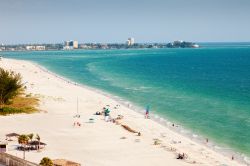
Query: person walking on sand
(147, 112)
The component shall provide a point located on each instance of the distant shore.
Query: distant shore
(97, 46)
(97, 143)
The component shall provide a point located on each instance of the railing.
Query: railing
(9, 160)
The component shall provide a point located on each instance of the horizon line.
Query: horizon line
(7, 44)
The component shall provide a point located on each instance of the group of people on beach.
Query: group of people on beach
(77, 124)
(106, 113)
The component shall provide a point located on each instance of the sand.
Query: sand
(100, 143)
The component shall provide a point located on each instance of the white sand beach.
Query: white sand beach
(100, 143)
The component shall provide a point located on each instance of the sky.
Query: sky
(112, 21)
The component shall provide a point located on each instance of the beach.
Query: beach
(98, 143)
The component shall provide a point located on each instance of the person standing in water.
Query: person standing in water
(147, 112)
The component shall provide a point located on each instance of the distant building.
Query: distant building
(30, 47)
(35, 48)
(69, 45)
(40, 48)
(75, 44)
(84, 46)
(130, 41)
(66, 43)
(2, 48)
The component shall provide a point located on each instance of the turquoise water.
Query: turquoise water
(206, 90)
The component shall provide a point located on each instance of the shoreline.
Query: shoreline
(228, 151)
(137, 110)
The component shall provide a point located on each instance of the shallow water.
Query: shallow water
(207, 90)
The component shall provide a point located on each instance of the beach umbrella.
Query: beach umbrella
(107, 110)
(12, 135)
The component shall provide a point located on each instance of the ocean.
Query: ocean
(205, 90)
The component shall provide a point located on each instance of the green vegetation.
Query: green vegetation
(46, 162)
(8, 110)
(10, 85)
(20, 105)
(30, 136)
(23, 139)
(12, 99)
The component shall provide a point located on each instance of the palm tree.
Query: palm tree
(30, 136)
(10, 84)
(23, 140)
(46, 162)
(38, 139)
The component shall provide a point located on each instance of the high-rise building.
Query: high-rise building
(71, 43)
(75, 44)
(68, 45)
(130, 41)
